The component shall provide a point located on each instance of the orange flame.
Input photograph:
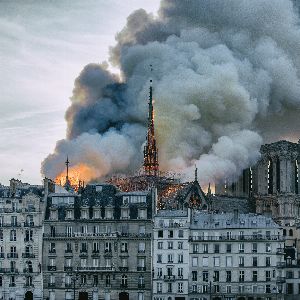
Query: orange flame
(77, 174)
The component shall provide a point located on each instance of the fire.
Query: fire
(77, 174)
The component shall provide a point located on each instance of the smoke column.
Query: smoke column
(223, 72)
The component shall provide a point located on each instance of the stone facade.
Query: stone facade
(21, 219)
(98, 244)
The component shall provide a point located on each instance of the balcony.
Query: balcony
(51, 284)
(280, 251)
(68, 285)
(141, 251)
(10, 224)
(12, 255)
(281, 264)
(27, 270)
(123, 286)
(28, 255)
(83, 253)
(51, 268)
(141, 268)
(108, 253)
(12, 285)
(280, 279)
(27, 240)
(28, 224)
(93, 269)
(9, 270)
(123, 269)
(236, 238)
(28, 285)
(95, 253)
(68, 269)
(169, 278)
(141, 285)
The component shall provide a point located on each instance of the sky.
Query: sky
(43, 47)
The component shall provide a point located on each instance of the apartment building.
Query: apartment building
(21, 217)
(235, 256)
(97, 244)
(171, 255)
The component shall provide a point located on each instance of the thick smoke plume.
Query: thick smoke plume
(222, 71)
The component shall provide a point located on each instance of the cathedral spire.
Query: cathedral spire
(67, 184)
(151, 166)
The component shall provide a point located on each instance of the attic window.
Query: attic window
(98, 188)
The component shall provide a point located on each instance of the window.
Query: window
(290, 288)
(228, 248)
(159, 287)
(107, 247)
(170, 287)
(180, 233)
(268, 247)
(69, 231)
(124, 247)
(217, 261)
(142, 247)
(195, 261)
(160, 233)
(13, 220)
(241, 261)
(216, 277)
(124, 280)
(1, 281)
(180, 258)
(228, 276)
(228, 289)
(268, 261)
(180, 245)
(205, 276)
(96, 247)
(205, 248)
(159, 272)
(83, 247)
(107, 280)
(13, 235)
(291, 232)
(170, 258)
(289, 274)
(268, 288)
(180, 287)
(205, 261)
(268, 275)
(228, 261)
(12, 281)
(195, 248)
(142, 229)
(216, 248)
(159, 258)
(170, 245)
(83, 279)
(142, 214)
(170, 234)
(68, 247)
(241, 247)
(180, 272)
(160, 245)
(140, 296)
(254, 276)
(254, 247)
(52, 248)
(242, 276)
(254, 261)
(241, 235)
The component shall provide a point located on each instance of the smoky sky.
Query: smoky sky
(223, 71)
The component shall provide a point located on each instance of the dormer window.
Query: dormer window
(108, 213)
(124, 213)
(69, 214)
(142, 213)
(97, 213)
(53, 214)
(84, 214)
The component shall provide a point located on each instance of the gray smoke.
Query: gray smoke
(222, 69)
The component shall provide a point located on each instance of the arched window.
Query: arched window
(291, 232)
